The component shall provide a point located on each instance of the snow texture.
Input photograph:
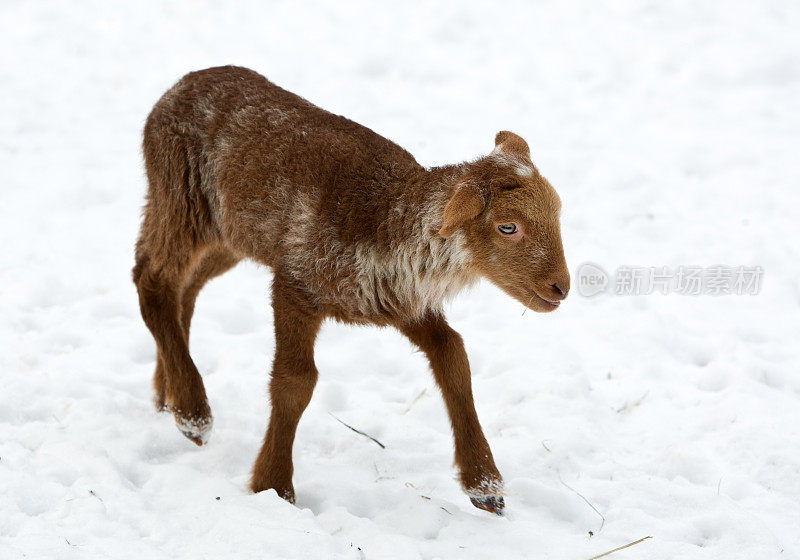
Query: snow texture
(670, 131)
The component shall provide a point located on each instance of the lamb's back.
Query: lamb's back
(285, 179)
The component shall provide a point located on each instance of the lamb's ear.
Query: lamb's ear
(466, 203)
(509, 142)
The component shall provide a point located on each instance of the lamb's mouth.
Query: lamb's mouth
(550, 304)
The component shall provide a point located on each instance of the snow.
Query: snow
(670, 131)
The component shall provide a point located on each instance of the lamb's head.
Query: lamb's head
(509, 216)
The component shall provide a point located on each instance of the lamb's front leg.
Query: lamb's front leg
(445, 351)
(293, 378)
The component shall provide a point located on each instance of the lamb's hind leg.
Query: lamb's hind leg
(215, 262)
(177, 230)
(183, 393)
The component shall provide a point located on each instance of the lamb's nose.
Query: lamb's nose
(561, 289)
(557, 286)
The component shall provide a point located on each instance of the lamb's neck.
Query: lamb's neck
(448, 260)
(404, 265)
(436, 185)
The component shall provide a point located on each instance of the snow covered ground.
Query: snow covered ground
(671, 131)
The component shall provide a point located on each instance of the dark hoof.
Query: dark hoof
(193, 438)
(287, 494)
(196, 430)
(284, 492)
(492, 504)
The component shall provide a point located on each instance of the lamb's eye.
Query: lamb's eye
(507, 229)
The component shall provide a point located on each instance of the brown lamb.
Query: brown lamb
(353, 229)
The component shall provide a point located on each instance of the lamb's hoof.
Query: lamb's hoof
(492, 504)
(197, 430)
(287, 494)
(485, 492)
(197, 440)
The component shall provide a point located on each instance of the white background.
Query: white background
(670, 131)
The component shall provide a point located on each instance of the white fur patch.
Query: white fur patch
(520, 167)
(486, 488)
(420, 274)
(524, 170)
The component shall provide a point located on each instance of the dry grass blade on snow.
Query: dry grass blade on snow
(619, 548)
